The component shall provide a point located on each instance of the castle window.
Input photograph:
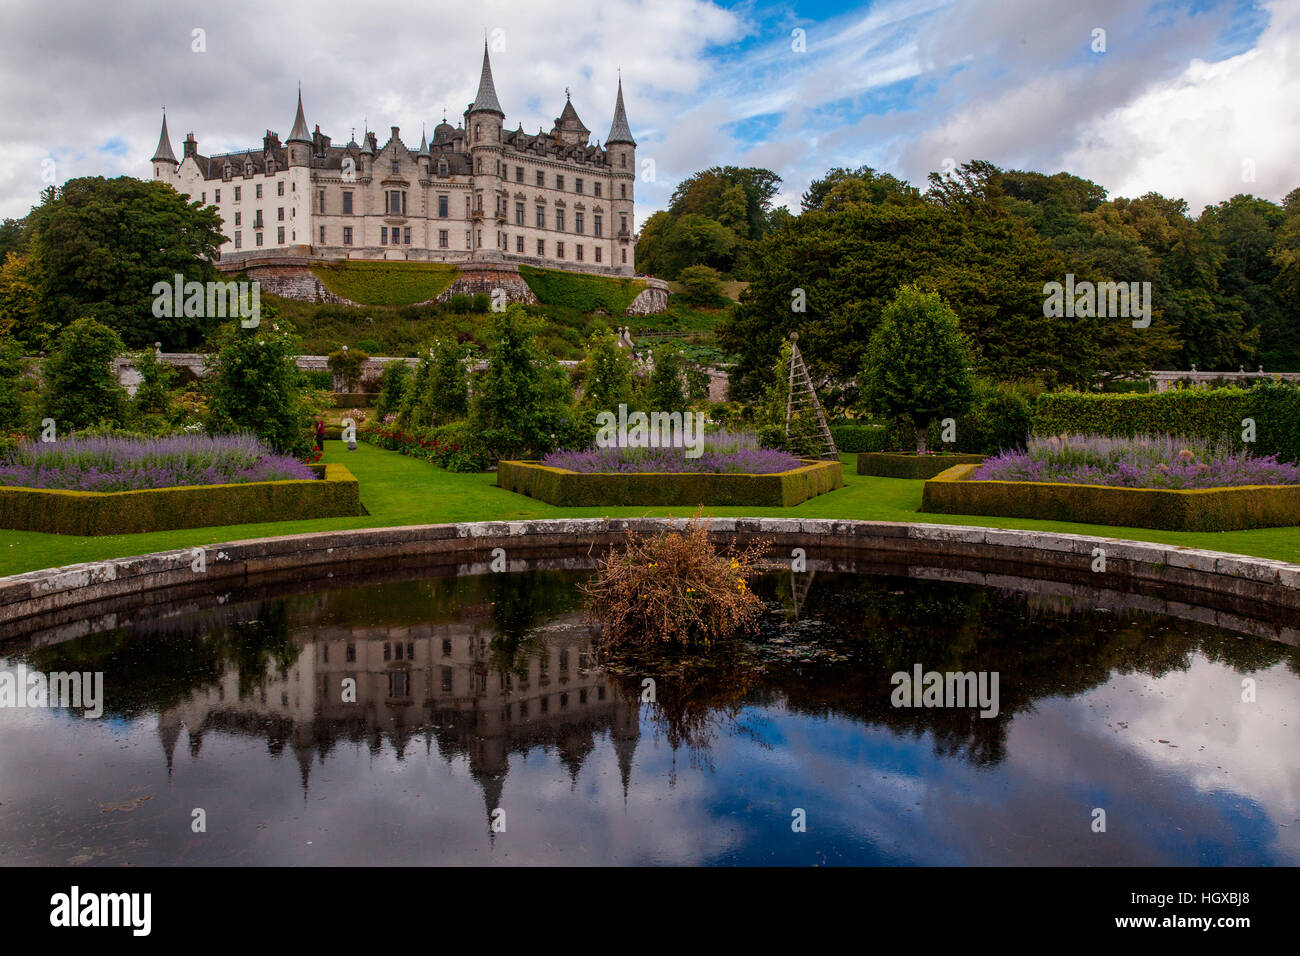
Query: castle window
(478, 132)
(225, 172)
(622, 225)
(596, 186)
(446, 647)
(257, 219)
(579, 253)
(519, 244)
(468, 242)
(347, 235)
(559, 182)
(399, 682)
(397, 168)
(350, 653)
(217, 196)
(442, 239)
(541, 217)
(279, 235)
(320, 196)
(559, 220)
(624, 256)
(406, 235)
(598, 253)
(479, 165)
(270, 165)
(238, 191)
(541, 178)
(322, 235)
(396, 202)
(541, 247)
(519, 214)
(559, 250)
(388, 651)
(259, 238)
(577, 222)
(383, 235)
(239, 239)
(519, 174)
(258, 188)
(577, 185)
(442, 207)
(446, 679)
(442, 167)
(279, 213)
(238, 217)
(466, 207)
(622, 188)
(622, 160)
(347, 202)
(596, 225)
(203, 198)
(399, 650)
(279, 187)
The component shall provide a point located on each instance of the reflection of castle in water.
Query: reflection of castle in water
(432, 680)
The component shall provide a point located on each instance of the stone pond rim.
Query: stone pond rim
(1240, 581)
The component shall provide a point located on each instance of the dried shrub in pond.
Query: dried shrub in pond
(675, 587)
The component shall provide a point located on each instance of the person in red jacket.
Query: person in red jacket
(320, 435)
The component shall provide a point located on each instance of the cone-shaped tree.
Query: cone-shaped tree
(917, 365)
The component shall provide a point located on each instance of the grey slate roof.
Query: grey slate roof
(299, 133)
(620, 132)
(164, 150)
(486, 98)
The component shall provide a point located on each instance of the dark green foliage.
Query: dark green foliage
(156, 379)
(852, 438)
(702, 285)
(918, 362)
(1275, 407)
(255, 386)
(103, 245)
(346, 365)
(12, 370)
(891, 465)
(80, 387)
(522, 400)
(195, 506)
(481, 302)
(439, 388)
(393, 383)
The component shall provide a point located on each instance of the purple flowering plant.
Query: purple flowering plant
(1143, 461)
(129, 464)
(723, 453)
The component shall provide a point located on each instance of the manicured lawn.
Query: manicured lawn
(398, 490)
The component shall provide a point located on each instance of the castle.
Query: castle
(557, 201)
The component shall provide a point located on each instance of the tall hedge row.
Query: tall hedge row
(1201, 413)
(586, 293)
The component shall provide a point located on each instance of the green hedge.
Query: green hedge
(891, 465)
(582, 292)
(1211, 509)
(852, 438)
(558, 486)
(52, 511)
(1203, 413)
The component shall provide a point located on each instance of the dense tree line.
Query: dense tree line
(1225, 285)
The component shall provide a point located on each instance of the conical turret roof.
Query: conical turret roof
(164, 151)
(486, 98)
(620, 132)
(300, 133)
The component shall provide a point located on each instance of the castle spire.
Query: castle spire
(620, 132)
(164, 154)
(486, 98)
(424, 144)
(299, 134)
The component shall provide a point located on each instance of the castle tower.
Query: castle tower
(164, 160)
(483, 122)
(620, 149)
(299, 141)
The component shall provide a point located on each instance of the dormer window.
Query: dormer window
(396, 167)
(270, 166)
(226, 171)
(442, 167)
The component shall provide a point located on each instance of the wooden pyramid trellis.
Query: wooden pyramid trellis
(802, 396)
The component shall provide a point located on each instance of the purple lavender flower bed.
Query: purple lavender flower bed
(1145, 461)
(131, 464)
(721, 454)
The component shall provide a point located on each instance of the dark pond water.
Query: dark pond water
(481, 694)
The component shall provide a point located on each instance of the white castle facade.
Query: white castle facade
(476, 192)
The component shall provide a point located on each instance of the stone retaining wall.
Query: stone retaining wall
(1264, 590)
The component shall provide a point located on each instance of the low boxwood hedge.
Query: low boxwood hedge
(898, 465)
(54, 511)
(565, 488)
(1209, 509)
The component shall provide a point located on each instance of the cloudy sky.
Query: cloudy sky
(1193, 98)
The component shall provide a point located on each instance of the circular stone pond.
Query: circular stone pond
(487, 728)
